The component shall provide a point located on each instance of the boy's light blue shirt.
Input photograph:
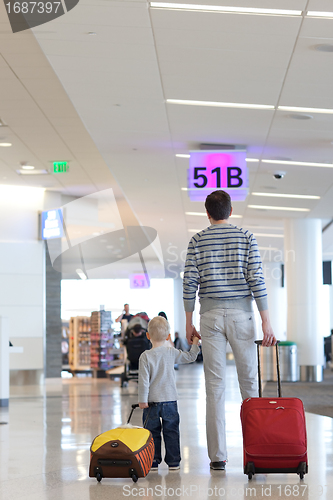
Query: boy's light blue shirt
(157, 380)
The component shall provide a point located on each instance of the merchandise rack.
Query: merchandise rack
(79, 343)
(105, 351)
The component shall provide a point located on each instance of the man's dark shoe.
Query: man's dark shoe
(217, 465)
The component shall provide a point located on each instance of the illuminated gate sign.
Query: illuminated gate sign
(139, 281)
(212, 170)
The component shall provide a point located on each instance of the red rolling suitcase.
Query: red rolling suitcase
(274, 432)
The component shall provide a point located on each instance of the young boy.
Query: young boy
(157, 384)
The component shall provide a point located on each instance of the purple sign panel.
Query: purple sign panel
(139, 281)
(212, 170)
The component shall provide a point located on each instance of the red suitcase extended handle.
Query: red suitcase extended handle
(259, 343)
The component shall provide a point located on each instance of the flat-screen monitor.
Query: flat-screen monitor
(52, 224)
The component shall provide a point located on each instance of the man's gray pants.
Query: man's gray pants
(217, 327)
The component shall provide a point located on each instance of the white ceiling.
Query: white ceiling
(99, 101)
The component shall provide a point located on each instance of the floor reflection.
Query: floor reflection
(44, 449)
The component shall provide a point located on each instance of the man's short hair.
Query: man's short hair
(158, 329)
(218, 205)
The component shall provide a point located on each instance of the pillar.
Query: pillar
(277, 300)
(4, 362)
(179, 313)
(304, 279)
(53, 324)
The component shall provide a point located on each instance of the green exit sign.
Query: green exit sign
(60, 167)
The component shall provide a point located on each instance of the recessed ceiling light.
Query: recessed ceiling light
(291, 209)
(5, 144)
(252, 160)
(317, 13)
(301, 163)
(92, 33)
(34, 171)
(270, 235)
(196, 213)
(327, 111)
(280, 195)
(324, 47)
(183, 155)
(216, 8)
(220, 104)
(28, 167)
(301, 116)
(234, 216)
(276, 228)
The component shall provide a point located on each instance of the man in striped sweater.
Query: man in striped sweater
(223, 261)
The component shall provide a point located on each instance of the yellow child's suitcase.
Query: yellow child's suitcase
(126, 451)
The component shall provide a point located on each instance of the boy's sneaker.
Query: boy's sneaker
(217, 465)
(154, 466)
(174, 467)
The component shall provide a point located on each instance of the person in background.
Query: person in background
(125, 315)
(224, 262)
(176, 342)
(137, 332)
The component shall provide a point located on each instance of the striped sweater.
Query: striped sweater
(224, 262)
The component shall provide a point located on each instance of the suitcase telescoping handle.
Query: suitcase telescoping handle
(259, 343)
(137, 406)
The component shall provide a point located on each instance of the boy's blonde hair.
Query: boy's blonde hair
(158, 328)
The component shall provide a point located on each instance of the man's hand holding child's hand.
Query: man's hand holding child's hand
(195, 340)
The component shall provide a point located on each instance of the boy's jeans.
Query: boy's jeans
(168, 412)
(217, 327)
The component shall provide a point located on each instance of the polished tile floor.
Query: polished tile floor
(44, 447)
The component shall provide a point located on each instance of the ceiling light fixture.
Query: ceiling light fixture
(224, 10)
(269, 235)
(196, 213)
(317, 13)
(220, 104)
(292, 209)
(205, 215)
(324, 47)
(28, 167)
(300, 163)
(324, 111)
(276, 228)
(31, 171)
(5, 144)
(252, 160)
(183, 155)
(301, 116)
(280, 195)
